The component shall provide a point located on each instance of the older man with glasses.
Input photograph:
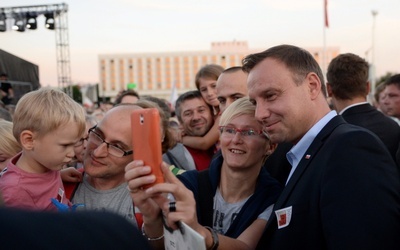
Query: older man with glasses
(108, 151)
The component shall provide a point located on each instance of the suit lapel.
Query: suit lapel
(304, 163)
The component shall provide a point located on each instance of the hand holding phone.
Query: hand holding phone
(146, 140)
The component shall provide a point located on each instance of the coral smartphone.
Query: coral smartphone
(146, 140)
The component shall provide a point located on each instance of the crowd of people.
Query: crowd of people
(255, 158)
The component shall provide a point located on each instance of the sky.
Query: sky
(132, 26)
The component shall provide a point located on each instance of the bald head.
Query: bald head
(117, 123)
(231, 85)
(120, 113)
(115, 129)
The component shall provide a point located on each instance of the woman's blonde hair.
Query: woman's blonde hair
(8, 143)
(240, 107)
(45, 110)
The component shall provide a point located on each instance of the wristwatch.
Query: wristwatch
(215, 238)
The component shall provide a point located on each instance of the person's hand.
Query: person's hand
(71, 175)
(185, 204)
(177, 134)
(137, 175)
(182, 131)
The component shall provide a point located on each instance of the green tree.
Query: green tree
(76, 93)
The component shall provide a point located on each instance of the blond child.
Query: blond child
(47, 124)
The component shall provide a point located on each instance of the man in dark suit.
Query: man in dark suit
(343, 191)
(392, 102)
(348, 86)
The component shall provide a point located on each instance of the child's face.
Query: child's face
(207, 87)
(55, 149)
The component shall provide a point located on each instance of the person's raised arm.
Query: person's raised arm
(203, 142)
(137, 175)
(185, 211)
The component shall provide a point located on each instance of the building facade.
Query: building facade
(156, 73)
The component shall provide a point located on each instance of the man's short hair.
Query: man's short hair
(394, 79)
(299, 61)
(232, 69)
(129, 92)
(348, 76)
(189, 95)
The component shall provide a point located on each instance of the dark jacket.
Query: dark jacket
(384, 127)
(266, 193)
(344, 194)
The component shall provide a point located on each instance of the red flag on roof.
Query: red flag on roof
(326, 13)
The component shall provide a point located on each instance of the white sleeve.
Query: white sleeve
(266, 213)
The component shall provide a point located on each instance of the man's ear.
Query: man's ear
(27, 139)
(271, 148)
(314, 84)
(368, 88)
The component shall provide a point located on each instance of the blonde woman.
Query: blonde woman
(236, 191)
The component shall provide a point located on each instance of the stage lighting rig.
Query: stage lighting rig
(19, 24)
(50, 22)
(31, 22)
(25, 17)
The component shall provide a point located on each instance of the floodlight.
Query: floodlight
(3, 25)
(31, 21)
(50, 22)
(19, 24)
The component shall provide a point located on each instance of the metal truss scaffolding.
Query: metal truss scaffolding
(59, 13)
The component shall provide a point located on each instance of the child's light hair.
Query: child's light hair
(8, 145)
(45, 110)
(239, 107)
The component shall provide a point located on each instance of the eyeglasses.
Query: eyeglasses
(114, 150)
(231, 131)
(80, 142)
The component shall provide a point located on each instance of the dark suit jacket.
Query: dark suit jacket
(384, 127)
(344, 194)
(277, 164)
